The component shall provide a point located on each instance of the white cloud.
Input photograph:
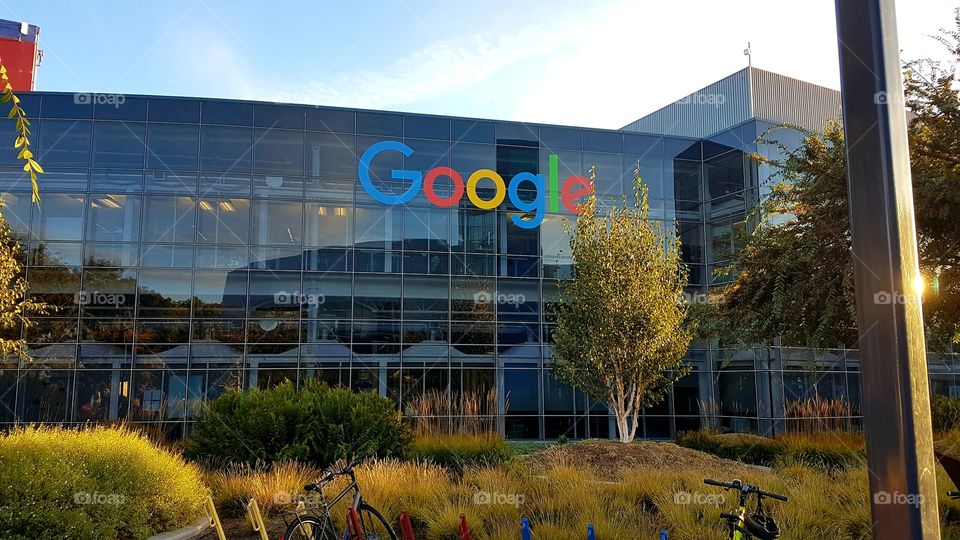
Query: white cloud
(439, 68)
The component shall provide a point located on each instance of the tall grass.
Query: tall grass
(816, 415)
(438, 412)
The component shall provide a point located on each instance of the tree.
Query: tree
(620, 332)
(794, 277)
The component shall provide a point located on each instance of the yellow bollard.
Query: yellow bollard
(213, 518)
(256, 519)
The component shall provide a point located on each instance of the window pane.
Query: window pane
(328, 225)
(320, 119)
(331, 154)
(112, 107)
(278, 116)
(426, 127)
(170, 182)
(164, 293)
(224, 221)
(174, 110)
(118, 144)
(64, 142)
(117, 181)
(227, 113)
(61, 218)
(114, 218)
(168, 219)
(378, 227)
(16, 211)
(278, 151)
(173, 147)
(277, 222)
(220, 293)
(380, 123)
(226, 149)
(334, 291)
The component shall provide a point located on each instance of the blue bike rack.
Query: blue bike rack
(591, 535)
(663, 534)
(525, 529)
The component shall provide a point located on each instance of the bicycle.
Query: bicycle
(318, 525)
(746, 525)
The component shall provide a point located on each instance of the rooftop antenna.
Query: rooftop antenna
(748, 53)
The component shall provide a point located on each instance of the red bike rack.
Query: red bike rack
(406, 529)
(354, 523)
(464, 528)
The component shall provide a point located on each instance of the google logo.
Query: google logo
(572, 189)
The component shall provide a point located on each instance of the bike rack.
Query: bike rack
(256, 519)
(406, 529)
(213, 518)
(591, 535)
(663, 534)
(464, 528)
(525, 529)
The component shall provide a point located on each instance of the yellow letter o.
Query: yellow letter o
(475, 178)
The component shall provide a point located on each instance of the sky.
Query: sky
(583, 63)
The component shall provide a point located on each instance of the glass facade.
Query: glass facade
(196, 246)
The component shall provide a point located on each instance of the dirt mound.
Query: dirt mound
(607, 459)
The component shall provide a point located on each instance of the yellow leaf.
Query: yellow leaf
(3, 70)
(36, 166)
(19, 142)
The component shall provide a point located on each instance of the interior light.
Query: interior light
(341, 211)
(110, 203)
(204, 205)
(322, 211)
(227, 206)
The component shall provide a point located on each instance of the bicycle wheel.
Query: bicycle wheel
(310, 528)
(373, 526)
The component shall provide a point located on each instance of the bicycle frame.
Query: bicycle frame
(325, 505)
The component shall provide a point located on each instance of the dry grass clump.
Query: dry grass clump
(275, 487)
(438, 413)
(817, 414)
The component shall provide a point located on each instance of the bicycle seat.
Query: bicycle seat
(762, 526)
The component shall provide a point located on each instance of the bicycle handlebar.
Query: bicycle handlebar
(736, 484)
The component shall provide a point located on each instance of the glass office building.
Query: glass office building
(200, 245)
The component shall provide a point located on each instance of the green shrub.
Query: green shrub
(837, 451)
(93, 483)
(944, 413)
(312, 424)
(462, 450)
